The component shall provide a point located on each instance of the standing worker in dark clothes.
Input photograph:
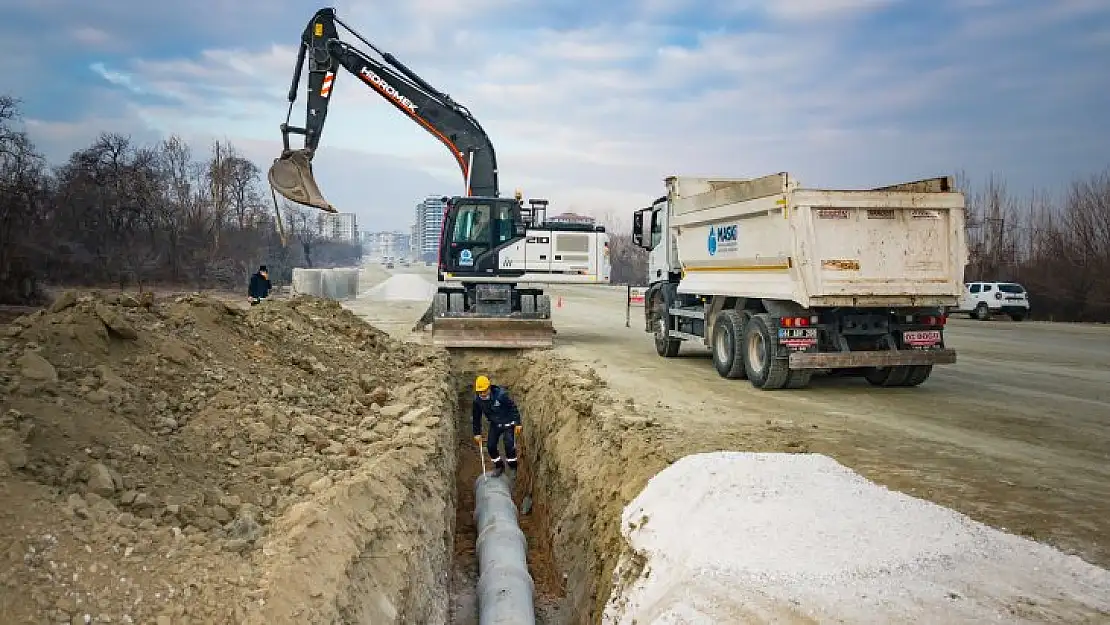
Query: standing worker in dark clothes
(260, 285)
(504, 421)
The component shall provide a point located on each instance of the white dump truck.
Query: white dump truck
(780, 281)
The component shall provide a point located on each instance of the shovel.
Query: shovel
(526, 504)
(482, 458)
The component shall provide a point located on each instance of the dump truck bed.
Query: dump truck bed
(902, 245)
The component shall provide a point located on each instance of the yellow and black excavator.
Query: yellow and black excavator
(494, 253)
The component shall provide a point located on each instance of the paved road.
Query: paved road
(1016, 434)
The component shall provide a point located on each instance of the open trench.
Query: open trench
(549, 593)
(577, 490)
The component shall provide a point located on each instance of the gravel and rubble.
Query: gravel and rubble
(171, 460)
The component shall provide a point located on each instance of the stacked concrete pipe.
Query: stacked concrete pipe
(505, 588)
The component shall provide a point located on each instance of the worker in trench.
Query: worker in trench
(504, 422)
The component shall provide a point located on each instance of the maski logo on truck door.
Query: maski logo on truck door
(722, 239)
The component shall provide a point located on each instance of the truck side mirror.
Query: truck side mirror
(638, 228)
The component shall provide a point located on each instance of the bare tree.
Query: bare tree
(22, 193)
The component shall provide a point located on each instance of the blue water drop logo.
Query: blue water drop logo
(711, 244)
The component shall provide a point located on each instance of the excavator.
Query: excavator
(494, 253)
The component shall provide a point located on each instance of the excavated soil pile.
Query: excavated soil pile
(184, 461)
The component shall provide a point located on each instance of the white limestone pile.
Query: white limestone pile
(734, 537)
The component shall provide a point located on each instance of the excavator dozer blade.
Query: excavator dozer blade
(492, 332)
(291, 176)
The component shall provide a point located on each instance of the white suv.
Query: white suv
(982, 299)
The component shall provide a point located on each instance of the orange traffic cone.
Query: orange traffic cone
(559, 304)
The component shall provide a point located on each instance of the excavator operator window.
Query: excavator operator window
(472, 225)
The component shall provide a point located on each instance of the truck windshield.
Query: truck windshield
(1010, 288)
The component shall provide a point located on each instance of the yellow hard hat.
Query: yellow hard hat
(481, 384)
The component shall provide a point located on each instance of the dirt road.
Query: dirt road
(1016, 435)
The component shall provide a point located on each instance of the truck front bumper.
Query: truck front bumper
(883, 358)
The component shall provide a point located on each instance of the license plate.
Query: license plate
(919, 338)
(798, 333)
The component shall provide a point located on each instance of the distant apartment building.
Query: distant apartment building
(394, 244)
(338, 227)
(426, 229)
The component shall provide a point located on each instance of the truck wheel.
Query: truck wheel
(918, 374)
(982, 312)
(543, 305)
(727, 338)
(798, 378)
(763, 369)
(528, 304)
(665, 346)
(441, 304)
(457, 302)
(888, 376)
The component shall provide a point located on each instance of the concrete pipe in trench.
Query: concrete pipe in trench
(505, 588)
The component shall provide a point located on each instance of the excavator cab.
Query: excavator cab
(475, 232)
(479, 304)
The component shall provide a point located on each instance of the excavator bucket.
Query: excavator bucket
(492, 332)
(291, 176)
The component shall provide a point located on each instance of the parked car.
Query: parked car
(983, 299)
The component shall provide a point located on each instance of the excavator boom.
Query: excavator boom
(325, 55)
(479, 225)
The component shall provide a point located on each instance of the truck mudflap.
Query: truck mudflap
(493, 332)
(878, 358)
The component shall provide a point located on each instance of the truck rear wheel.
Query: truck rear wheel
(889, 376)
(764, 370)
(528, 304)
(918, 374)
(543, 305)
(728, 358)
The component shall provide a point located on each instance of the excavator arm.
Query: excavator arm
(448, 121)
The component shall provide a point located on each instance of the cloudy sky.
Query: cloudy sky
(592, 104)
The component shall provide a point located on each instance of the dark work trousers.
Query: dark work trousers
(495, 434)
